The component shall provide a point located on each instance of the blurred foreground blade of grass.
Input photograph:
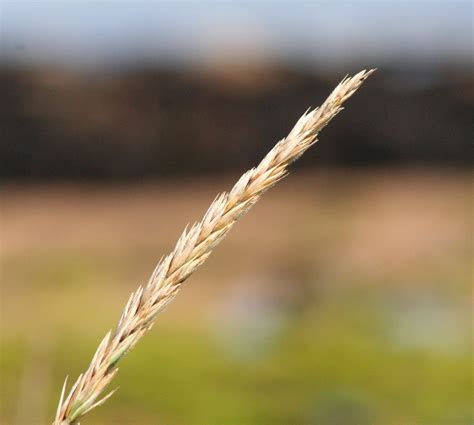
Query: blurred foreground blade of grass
(342, 299)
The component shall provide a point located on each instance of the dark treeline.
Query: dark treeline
(152, 122)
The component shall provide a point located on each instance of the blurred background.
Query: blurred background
(343, 298)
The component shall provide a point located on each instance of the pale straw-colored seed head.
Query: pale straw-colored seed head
(192, 249)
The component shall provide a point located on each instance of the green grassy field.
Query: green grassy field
(341, 299)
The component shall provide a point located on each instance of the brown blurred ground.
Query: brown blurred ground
(381, 227)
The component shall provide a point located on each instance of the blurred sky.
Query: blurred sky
(320, 33)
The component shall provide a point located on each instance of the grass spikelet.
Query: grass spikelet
(192, 249)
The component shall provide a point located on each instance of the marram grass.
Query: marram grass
(192, 249)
